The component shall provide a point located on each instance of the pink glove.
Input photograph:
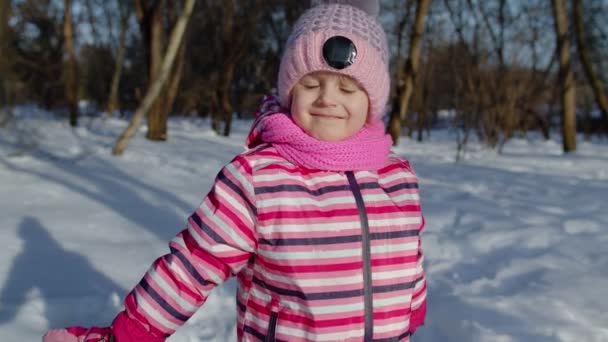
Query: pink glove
(124, 329)
(79, 334)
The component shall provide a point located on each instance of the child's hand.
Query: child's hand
(79, 334)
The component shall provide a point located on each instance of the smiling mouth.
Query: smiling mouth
(326, 116)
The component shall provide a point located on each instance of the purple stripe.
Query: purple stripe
(177, 253)
(205, 228)
(335, 294)
(316, 192)
(161, 301)
(224, 179)
(309, 296)
(401, 186)
(337, 239)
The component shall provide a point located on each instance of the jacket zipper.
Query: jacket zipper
(367, 265)
(272, 324)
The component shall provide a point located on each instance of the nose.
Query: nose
(325, 98)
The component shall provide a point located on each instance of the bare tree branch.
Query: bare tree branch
(174, 42)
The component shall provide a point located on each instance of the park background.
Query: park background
(115, 117)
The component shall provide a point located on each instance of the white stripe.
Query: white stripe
(318, 282)
(285, 176)
(171, 291)
(318, 254)
(260, 162)
(150, 311)
(404, 272)
(382, 302)
(391, 178)
(405, 197)
(395, 221)
(287, 201)
(311, 255)
(334, 281)
(310, 227)
(184, 277)
(400, 247)
(371, 198)
(393, 327)
(365, 174)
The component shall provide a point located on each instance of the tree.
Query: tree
(150, 16)
(125, 14)
(5, 52)
(600, 94)
(411, 67)
(175, 41)
(566, 76)
(71, 65)
(38, 52)
(231, 44)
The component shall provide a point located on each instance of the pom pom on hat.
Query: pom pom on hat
(371, 7)
(339, 29)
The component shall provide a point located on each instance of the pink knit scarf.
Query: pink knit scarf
(366, 150)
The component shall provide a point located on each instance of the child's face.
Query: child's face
(328, 106)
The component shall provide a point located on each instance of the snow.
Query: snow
(515, 243)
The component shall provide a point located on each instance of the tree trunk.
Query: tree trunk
(176, 77)
(410, 69)
(120, 57)
(566, 76)
(394, 119)
(157, 116)
(236, 43)
(583, 51)
(5, 52)
(71, 67)
(175, 41)
(224, 98)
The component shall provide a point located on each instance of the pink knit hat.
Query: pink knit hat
(339, 36)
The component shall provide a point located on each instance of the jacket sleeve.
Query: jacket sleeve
(419, 297)
(217, 243)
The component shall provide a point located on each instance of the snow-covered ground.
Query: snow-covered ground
(516, 244)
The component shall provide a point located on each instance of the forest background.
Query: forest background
(490, 70)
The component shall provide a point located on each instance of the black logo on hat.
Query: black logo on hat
(339, 52)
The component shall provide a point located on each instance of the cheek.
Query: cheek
(297, 112)
(360, 110)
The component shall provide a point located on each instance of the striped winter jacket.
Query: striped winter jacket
(318, 255)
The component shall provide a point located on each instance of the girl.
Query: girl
(318, 221)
